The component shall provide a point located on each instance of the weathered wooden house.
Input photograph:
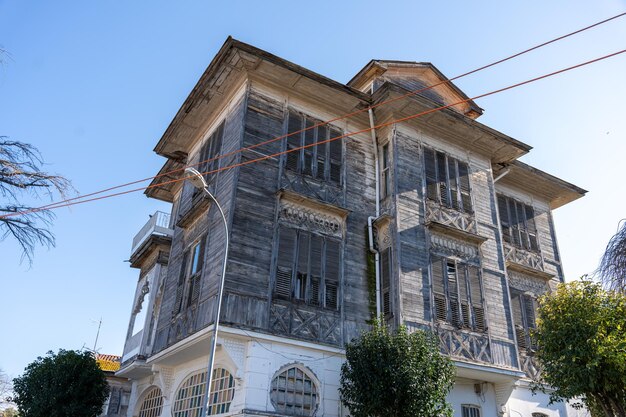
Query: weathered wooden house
(433, 216)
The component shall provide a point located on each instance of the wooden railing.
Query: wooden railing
(523, 257)
(159, 224)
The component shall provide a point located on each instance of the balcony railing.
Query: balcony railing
(158, 224)
(523, 257)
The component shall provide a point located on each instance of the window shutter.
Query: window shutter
(386, 281)
(529, 311)
(505, 222)
(517, 220)
(309, 140)
(336, 155)
(464, 185)
(215, 148)
(316, 270)
(438, 288)
(302, 269)
(466, 319)
(442, 179)
(453, 292)
(284, 261)
(454, 191)
(516, 307)
(181, 283)
(331, 276)
(532, 228)
(476, 298)
(294, 141)
(322, 152)
(431, 174)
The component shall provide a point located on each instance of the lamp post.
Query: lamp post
(198, 181)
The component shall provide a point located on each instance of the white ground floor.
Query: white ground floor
(262, 375)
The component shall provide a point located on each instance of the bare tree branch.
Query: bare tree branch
(21, 176)
(612, 269)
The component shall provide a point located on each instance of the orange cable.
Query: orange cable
(331, 139)
(410, 93)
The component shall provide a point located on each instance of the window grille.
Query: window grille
(321, 161)
(447, 181)
(307, 268)
(457, 294)
(293, 392)
(189, 397)
(517, 221)
(152, 403)
(470, 410)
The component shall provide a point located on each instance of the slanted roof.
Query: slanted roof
(108, 363)
(416, 76)
(540, 184)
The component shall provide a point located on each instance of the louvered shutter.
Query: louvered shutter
(476, 298)
(532, 228)
(316, 269)
(294, 140)
(215, 148)
(518, 321)
(442, 177)
(385, 265)
(284, 261)
(181, 283)
(331, 273)
(465, 319)
(529, 312)
(336, 155)
(453, 291)
(515, 222)
(464, 187)
(441, 312)
(431, 174)
(302, 269)
(454, 190)
(322, 152)
(309, 150)
(505, 222)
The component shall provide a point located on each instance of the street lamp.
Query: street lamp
(198, 181)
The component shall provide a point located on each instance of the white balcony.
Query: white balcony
(158, 225)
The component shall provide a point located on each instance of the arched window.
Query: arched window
(539, 415)
(293, 392)
(152, 403)
(189, 397)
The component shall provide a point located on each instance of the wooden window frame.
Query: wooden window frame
(518, 224)
(311, 286)
(190, 276)
(209, 152)
(323, 162)
(447, 181)
(385, 171)
(526, 315)
(458, 291)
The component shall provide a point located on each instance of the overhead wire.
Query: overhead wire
(347, 115)
(265, 157)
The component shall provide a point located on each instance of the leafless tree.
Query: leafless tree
(21, 179)
(612, 269)
(6, 388)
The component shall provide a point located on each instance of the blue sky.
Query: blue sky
(94, 84)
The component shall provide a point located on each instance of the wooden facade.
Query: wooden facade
(297, 263)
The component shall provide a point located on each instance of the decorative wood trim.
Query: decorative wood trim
(198, 207)
(514, 266)
(456, 233)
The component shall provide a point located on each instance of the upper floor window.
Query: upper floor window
(523, 306)
(209, 151)
(385, 180)
(190, 275)
(293, 392)
(307, 268)
(447, 181)
(470, 410)
(518, 223)
(457, 294)
(318, 161)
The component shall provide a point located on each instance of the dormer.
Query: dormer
(415, 76)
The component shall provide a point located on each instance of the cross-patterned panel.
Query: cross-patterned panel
(523, 257)
(435, 212)
(320, 190)
(464, 345)
(305, 323)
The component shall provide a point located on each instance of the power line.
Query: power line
(410, 93)
(251, 161)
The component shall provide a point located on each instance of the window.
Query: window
(190, 273)
(152, 403)
(294, 393)
(386, 274)
(188, 402)
(385, 180)
(307, 268)
(209, 151)
(468, 410)
(457, 294)
(447, 181)
(518, 223)
(319, 161)
(523, 306)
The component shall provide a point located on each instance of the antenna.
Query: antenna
(97, 335)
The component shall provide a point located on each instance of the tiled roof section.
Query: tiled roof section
(108, 362)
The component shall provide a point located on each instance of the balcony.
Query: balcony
(525, 261)
(155, 230)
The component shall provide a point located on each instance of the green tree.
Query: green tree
(397, 374)
(581, 339)
(69, 383)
